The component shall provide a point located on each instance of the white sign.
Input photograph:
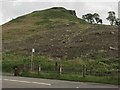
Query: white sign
(33, 50)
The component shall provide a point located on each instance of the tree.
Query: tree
(89, 18)
(100, 21)
(97, 18)
(117, 22)
(84, 17)
(111, 17)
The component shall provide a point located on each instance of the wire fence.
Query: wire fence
(59, 68)
(64, 69)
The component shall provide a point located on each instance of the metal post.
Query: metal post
(33, 50)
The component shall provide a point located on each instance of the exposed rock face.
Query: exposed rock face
(72, 12)
(57, 8)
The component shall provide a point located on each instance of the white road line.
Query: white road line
(42, 83)
(26, 82)
(77, 87)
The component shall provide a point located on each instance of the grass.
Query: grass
(73, 77)
(58, 30)
(72, 68)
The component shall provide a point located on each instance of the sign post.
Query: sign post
(33, 50)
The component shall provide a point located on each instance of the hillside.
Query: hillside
(58, 33)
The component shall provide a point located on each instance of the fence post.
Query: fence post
(60, 69)
(24, 67)
(56, 66)
(84, 70)
(39, 68)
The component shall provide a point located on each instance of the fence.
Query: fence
(64, 69)
(61, 68)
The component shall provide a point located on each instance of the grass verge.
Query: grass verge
(73, 77)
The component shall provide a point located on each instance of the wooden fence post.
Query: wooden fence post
(56, 66)
(39, 68)
(60, 69)
(84, 70)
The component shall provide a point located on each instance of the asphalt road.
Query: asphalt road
(24, 82)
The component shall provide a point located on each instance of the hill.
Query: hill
(59, 33)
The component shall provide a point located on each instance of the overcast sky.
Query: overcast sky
(10, 9)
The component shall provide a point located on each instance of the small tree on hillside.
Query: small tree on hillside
(84, 17)
(89, 18)
(97, 18)
(111, 17)
(117, 22)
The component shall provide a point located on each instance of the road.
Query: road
(25, 82)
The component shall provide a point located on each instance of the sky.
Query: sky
(10, 9)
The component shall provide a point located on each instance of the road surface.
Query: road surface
(25, 82)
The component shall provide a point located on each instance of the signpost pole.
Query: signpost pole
(33, 50)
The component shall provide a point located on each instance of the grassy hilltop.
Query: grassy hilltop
(58, 34)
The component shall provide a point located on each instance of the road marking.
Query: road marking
(16, 80)
(42, 83)
(26, 82)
